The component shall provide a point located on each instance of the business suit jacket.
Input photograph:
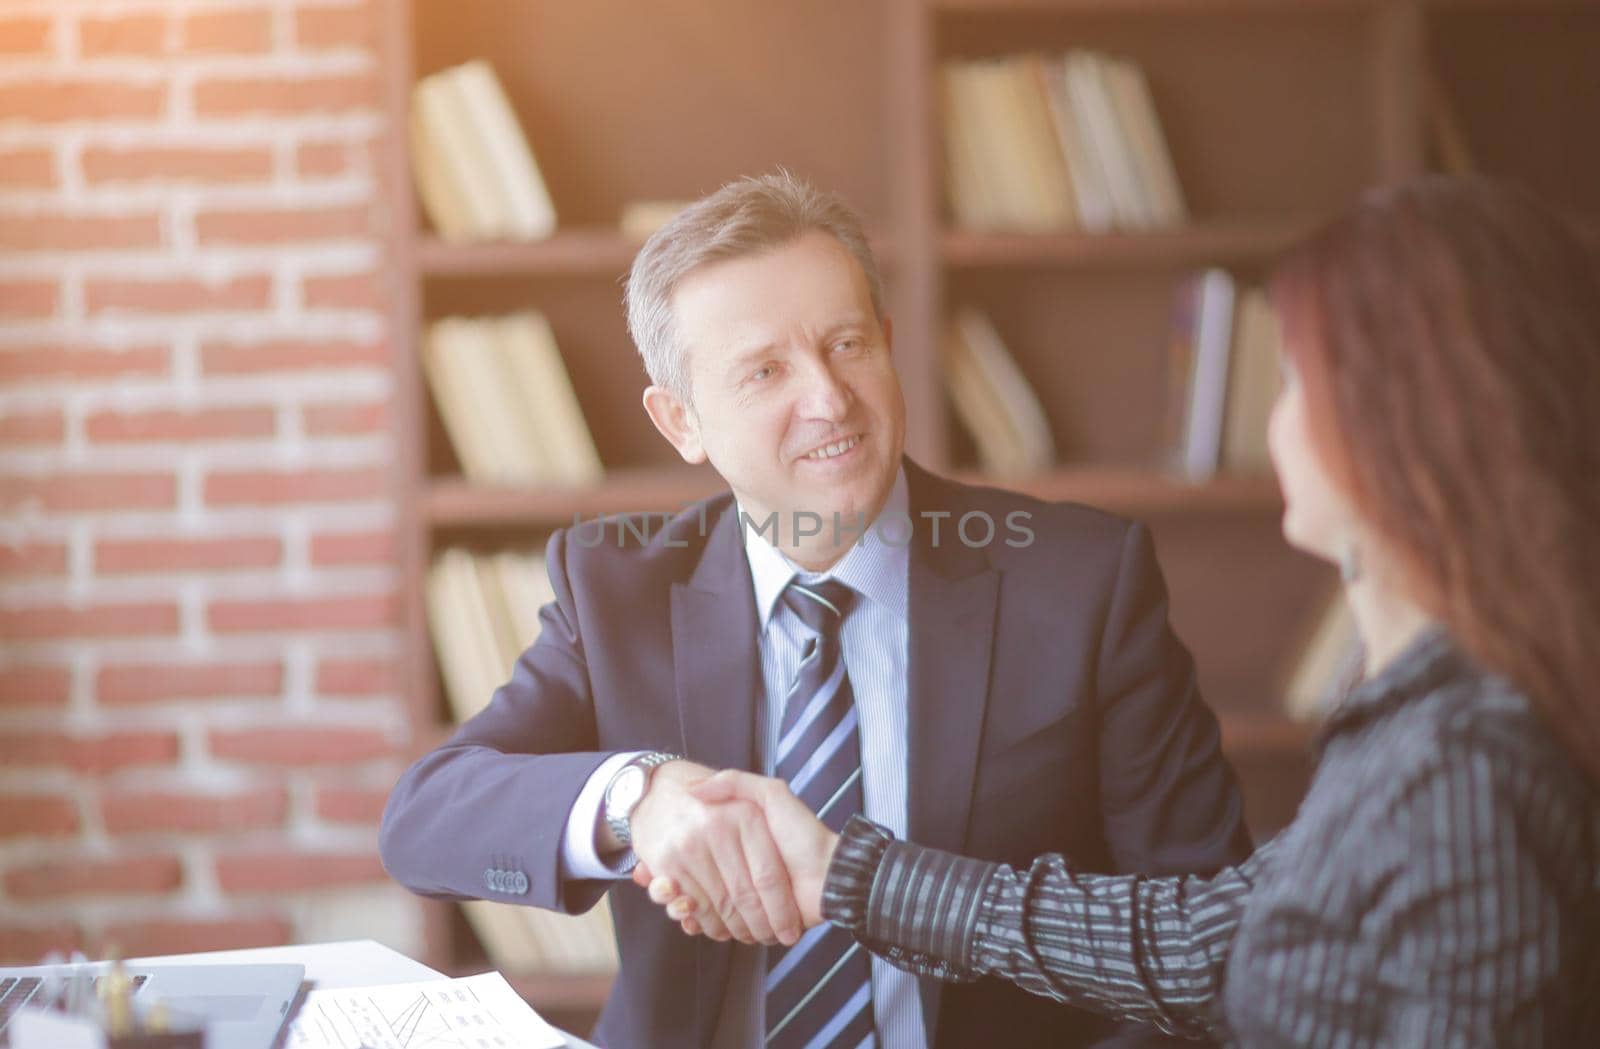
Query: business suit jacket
(1050, 709)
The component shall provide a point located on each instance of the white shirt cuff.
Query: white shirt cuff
(580, 858)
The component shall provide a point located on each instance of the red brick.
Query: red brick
(89, 755)
(228, 32)
(358, 805)
(325, 159)
(204, 424)
(193, 812)
(302, 614)
(95, 876)
(35, 686)
(27, 169)
(24, 36)
(279, 487)
(353, 548)
(56, 101)
(174, 163)
(48, 427)
(337, 420)
(279, 871)
(37, 816)
(129, 35)
(118, 556)
(27, 944)
(357, 677)
(121, 684)
(181, 936)
(31, 364)
(177, 296)
(358, 292)
(326, 28)
(59, 622)
(33, 559)
(28, 298)
(62, 232)
(282, 225)
(90, 492)
(302, 745)
(246, 359)
(229, 96)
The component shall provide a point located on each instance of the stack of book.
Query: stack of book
(475, 172)
(1224, 377)
(506, 401)
(483, 612)
(1036, 144)
(993, 400)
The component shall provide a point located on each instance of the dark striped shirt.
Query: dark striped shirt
(1440, 886)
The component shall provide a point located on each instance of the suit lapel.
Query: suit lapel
(953, 594)
(716, 670)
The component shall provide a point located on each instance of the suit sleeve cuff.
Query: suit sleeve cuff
(580, 854)
(916, 907)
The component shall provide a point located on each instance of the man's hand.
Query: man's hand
(805, 844)
(721, 853)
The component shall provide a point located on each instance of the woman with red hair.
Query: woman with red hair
(1438, 438)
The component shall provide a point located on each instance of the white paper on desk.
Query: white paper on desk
(474, 1012)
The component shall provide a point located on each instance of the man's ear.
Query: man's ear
(888, 332)
(676, 422)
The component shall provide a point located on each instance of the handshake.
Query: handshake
(731, 855)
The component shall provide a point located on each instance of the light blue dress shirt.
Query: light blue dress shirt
(876, 639)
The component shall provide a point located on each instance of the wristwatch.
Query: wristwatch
(627, 787)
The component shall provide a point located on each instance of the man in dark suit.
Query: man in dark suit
(1000, 671)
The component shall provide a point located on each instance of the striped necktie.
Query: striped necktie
(819, 992)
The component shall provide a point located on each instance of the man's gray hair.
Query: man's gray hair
(743, 218)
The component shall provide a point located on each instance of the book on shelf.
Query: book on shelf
(483, 612)
(1223, 377)
(507, 402)
(1038, 143)
(993, 399)
(475, 172)
(1447, 140)
(1254, 378)
(1200, 344)
(1331, 662)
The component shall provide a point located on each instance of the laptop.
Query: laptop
(243, 1005)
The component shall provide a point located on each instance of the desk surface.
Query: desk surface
(347, 963)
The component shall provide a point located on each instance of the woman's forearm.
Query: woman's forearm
(1148, 949)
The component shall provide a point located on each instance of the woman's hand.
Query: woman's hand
(805, 844)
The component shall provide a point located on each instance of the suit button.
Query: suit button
(519, 884)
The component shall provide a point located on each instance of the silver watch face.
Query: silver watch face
(625, 792)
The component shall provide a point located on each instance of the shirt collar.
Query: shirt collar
(1427, 660)
(872, 567)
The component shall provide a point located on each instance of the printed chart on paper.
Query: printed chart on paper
(474, 1012)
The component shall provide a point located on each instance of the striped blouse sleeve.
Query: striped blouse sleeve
(1139, 948)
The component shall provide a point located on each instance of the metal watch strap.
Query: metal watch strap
(621, 826)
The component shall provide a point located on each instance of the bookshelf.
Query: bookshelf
(1277, 112)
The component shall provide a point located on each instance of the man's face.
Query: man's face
(795, 401)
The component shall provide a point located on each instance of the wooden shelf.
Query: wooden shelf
(1265, 734)
(1142, 491)
(595, 251)
(1125, 7)
(455, 502)
(1202, 243)
(578, 251)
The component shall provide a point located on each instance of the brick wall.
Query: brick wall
(199, 715)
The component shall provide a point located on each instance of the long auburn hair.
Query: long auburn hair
(1447, 333)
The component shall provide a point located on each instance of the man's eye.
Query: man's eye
(762, 373)
(846, 345)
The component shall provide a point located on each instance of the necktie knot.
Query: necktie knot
(821, 606)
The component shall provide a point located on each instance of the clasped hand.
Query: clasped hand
(731, 855)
